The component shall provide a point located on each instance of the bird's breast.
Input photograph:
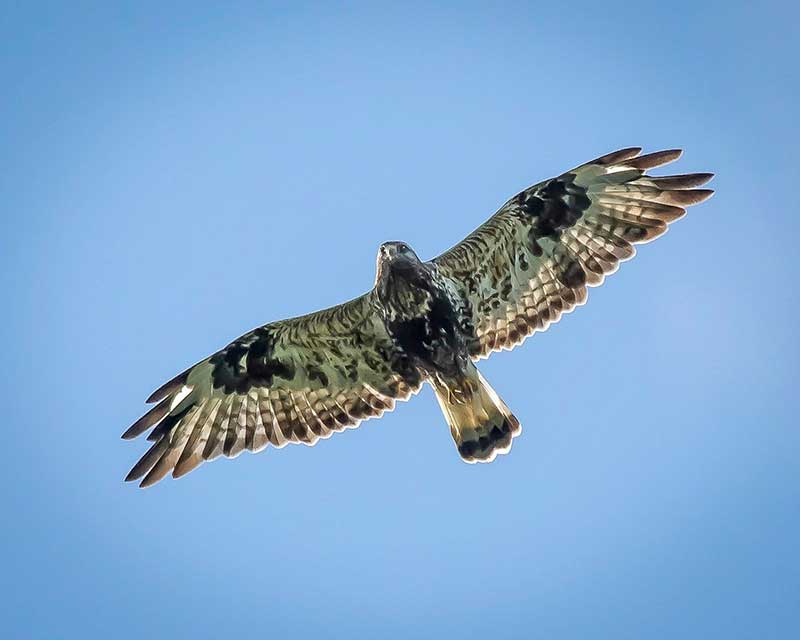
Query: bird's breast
(425, 323)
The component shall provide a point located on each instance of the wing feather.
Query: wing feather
(532, 261)
(297, 380)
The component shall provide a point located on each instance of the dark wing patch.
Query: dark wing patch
(294, 381)
(532, 261)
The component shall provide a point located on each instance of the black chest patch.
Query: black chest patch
(430, 330)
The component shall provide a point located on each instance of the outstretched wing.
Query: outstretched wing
(296, 380)
(533, 259)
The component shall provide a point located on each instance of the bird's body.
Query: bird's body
(429, 321)
(302, 379)
(423, 312)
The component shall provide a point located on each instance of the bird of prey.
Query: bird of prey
(302, 379)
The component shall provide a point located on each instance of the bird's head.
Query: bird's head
(395, 250)
(395, 256)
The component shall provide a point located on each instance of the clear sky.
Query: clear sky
(173, 175)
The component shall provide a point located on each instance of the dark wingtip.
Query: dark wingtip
(656, 159)
(682, 181)
(617, 156)
(150, 479)
(148, 460)
(705, 194)
(131, 476)
(154, 416)
(690, 196)
(169, 388)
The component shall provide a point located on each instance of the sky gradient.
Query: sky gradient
(174, 175)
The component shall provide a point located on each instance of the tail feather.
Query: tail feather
(481, 424)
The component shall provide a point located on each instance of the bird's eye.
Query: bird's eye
(403, 248)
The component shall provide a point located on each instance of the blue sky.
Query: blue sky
(174, 175)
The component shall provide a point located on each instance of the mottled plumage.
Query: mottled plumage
(302, 379)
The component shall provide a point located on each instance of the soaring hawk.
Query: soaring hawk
(302, 379)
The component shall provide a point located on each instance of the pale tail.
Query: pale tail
(480, 422)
